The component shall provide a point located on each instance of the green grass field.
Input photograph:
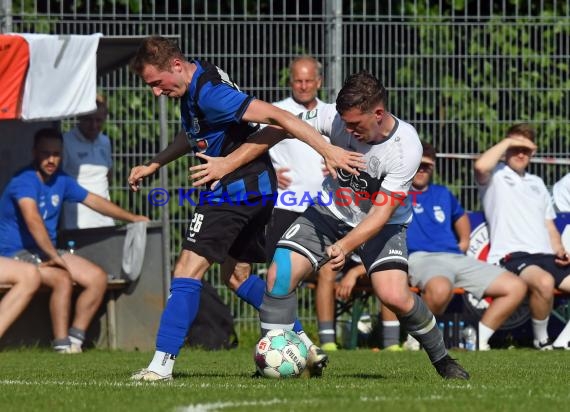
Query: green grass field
(360, 380)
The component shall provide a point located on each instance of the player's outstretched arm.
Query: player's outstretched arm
(214, 168)
(173, 151)
(335, 157)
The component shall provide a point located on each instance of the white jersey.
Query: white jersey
(57, 61)
(516, 208)
(305, 164)
(561, 194)
(89, 163)
(390, 168)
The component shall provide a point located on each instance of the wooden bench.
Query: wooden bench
(114, 286)
(356, 304)
(361, 292)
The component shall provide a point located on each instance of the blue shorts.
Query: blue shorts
(516, 262)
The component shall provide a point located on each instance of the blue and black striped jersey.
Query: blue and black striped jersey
(211, 113)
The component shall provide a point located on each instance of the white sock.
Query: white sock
(75, 341)
(564, 337)
(485, 334)
(539, 329)
(162, 363)
(303, 336)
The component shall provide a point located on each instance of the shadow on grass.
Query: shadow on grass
(177, 375)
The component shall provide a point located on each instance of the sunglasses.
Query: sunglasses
(522, 150)
(425, 167)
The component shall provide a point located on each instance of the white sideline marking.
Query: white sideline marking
(113, 384)
(206, 407)
(20, 382)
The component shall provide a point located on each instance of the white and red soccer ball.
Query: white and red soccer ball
(280, 354)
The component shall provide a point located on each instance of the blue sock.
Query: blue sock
(252, 291)
(177, 317)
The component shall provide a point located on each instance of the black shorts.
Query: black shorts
(237, 230)
(516, 262)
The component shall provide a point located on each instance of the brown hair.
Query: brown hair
(155, 51)
(362, 91)
(429, 150)
(47, 133)
(523, 129)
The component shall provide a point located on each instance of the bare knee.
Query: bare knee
(517, 288)
(31, 279)
(542, 284)
(100, 279)
(61, 283)
(326, 275)
(397, 302)
(437, 295)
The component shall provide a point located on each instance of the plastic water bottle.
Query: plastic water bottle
(461, 330)
(441, 327)
(470, 338)
(71, 247)
(450, 340)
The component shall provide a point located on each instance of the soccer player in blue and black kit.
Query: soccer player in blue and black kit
(230, 218)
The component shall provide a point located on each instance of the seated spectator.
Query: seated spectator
(438, 238)
(25, 280)
(325, 297)
(87, 158)
(561, 194)
(355, 274)
(29, 211)
(523, 236)
(326, 308)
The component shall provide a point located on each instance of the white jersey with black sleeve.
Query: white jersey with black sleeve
(390, 168)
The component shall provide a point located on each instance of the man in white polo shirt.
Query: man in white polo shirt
(524, 238)
(87, 158)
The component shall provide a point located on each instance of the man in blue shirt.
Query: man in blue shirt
(230, 218)
(30, 207)
(438, 238)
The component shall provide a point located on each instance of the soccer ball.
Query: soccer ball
(280, 354)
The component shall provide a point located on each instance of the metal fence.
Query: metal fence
(461, 73)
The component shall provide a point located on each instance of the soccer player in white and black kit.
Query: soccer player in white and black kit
(366, 213)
